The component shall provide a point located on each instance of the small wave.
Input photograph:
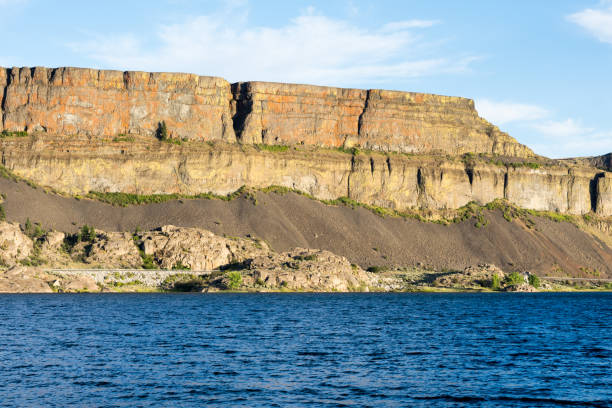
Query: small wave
(230, 373)
(528, 400)
(313, 353)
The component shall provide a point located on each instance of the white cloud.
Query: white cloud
(408, 24)
(596, 22)
(593, 144)
(309, 48)
(568, 128)
(570, 138)
(536, 126)
(505, 112)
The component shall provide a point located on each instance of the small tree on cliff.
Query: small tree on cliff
(162, 131)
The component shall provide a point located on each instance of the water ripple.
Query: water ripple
(330, 350)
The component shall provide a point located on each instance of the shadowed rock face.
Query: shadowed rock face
(94, 103)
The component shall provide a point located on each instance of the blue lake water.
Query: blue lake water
(179, 350)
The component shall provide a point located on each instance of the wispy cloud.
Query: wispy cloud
(568, 128)
(505, 112)
(539, 129)
(405, 25)
(310, 48)
(598, 22)
(589, 144)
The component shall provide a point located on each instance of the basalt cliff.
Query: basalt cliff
(95, 130)
(76, 131)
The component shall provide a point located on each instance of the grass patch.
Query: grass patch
(173, 141)
(529, 165)
(7, 133)
(512, 212)
(123, 138)
(272, 148)
(125, 199)
(349, 150)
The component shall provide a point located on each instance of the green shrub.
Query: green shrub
(87, 233)
(235, 280)
(534, 281)
(515, 278)
(34, 231)
(495, 282)
(2, 214)
(147, 260)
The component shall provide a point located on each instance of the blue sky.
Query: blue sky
(540, 70)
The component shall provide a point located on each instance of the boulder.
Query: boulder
(14, 244)
(197, 249)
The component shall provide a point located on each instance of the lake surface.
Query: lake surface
(490, 350)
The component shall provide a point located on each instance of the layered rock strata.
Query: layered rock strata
(275, 113)
(88, 102)
(394, 181)
(95, 103)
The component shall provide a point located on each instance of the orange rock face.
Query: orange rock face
(422, 123)
(76, 101)
(274, 113)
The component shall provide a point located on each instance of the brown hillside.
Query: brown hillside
(291, 220)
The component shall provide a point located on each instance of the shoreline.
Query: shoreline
(42, 280)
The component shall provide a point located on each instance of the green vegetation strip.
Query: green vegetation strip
(471, 210)
(125, 199)
(6, 133)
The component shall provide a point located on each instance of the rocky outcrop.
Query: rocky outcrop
(196, 254)
(603, 162)
(306, 269)
(392, 121)
(89, 102)
(114, 249)
(471, 277)
(77, 120)
(604, 194)
(15, 246)
(97, 103)
(196, 249)
(20, 279)
(387, 180)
